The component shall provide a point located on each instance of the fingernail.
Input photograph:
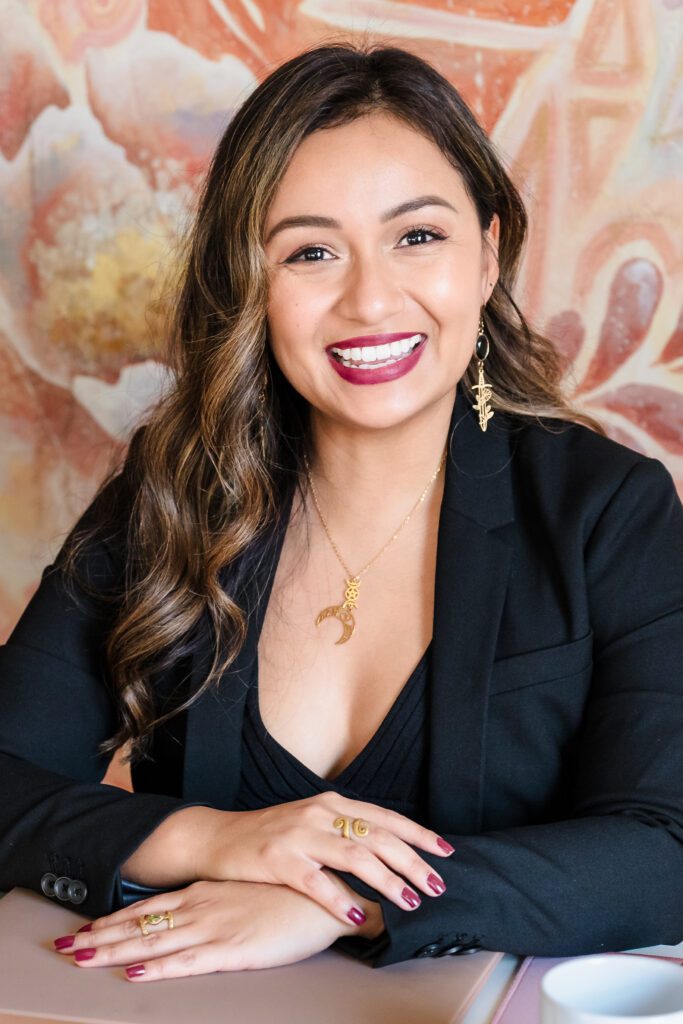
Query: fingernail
(436, 883)
(135, 971)
(84, 954)
(86, 927)
(356, 915)
(411, 898)
(446, 847)
(64, 942)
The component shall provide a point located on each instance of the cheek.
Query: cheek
(293, 309)
(449, 287)
(284, 325)
(450, 301)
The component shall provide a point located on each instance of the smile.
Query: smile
(373, 357)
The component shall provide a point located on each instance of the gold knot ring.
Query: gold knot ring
(146, 919)
(359, 827)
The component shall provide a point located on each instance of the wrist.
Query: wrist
(173, 854)
(206, 842)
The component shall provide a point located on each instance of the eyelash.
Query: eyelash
(420, 229)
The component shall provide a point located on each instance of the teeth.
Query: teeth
(369, 355)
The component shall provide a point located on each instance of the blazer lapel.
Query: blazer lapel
(212, 759)
(472, 571)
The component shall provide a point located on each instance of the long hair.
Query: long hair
(224, 449)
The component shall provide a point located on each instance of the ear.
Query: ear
(490, 268)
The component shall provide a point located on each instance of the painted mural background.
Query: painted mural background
(110, 108)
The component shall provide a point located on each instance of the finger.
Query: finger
(358, 859)
(402, 860)
(113, 933)
(405, 828)
(127, 917)
(315, 884)
(152, 905)
(198, 960)
(138, 948)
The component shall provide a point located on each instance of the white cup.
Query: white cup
(613, 989)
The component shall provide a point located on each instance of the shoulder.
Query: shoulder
(583, 470)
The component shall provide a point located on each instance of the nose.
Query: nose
(370, 294)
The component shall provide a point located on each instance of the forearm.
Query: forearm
(586, 885)
(178, 851)
(51, 824)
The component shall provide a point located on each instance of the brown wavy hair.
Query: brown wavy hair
(224, 450)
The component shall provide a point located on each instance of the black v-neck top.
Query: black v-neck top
(391, 770)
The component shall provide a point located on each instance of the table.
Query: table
(450, 990)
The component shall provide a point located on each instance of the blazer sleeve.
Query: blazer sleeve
(610, 876)
(57, 821)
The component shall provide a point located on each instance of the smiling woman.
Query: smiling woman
(365, 433)
(422, 264)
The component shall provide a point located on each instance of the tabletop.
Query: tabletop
(37, 986)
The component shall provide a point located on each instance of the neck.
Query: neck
(365, 478)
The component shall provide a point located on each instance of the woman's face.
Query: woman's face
(378, 272)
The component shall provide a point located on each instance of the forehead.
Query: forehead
(372, 162)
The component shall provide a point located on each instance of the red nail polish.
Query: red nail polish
(135, 971)
(411, 897)
(356, 915)
(64, 942)
(446, 847)
(436, 884)
(86, 927)
(84, 954)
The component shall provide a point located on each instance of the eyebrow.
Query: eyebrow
(309, 220)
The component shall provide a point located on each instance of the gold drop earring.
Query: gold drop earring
(483, 388)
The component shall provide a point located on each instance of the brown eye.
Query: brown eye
(422, 236)
(311, 254)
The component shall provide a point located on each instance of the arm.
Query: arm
(611, 876)
(55, 709)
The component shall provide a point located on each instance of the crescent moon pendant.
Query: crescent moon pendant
(343, 615)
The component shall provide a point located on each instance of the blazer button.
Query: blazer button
(462, 947)
(47, 884)
(62, 888)
(77, 891)
(428, 950)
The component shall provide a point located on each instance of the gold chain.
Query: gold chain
(343, 612)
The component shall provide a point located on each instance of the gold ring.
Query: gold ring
(147, 919)
(358, 826)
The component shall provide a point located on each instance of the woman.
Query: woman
(393, 636)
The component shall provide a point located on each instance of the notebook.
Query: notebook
(522, 1002)
(37, 986)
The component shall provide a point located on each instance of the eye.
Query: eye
(309, 254)
(419, 236)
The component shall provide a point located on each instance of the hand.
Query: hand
(218, 926)
(290, 843)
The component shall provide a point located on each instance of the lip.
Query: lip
(381, 374)
(372, 339)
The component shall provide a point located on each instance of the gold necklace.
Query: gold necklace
(344, 611)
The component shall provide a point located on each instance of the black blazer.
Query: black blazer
(555, 714)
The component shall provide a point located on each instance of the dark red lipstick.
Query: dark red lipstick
(380, 368)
